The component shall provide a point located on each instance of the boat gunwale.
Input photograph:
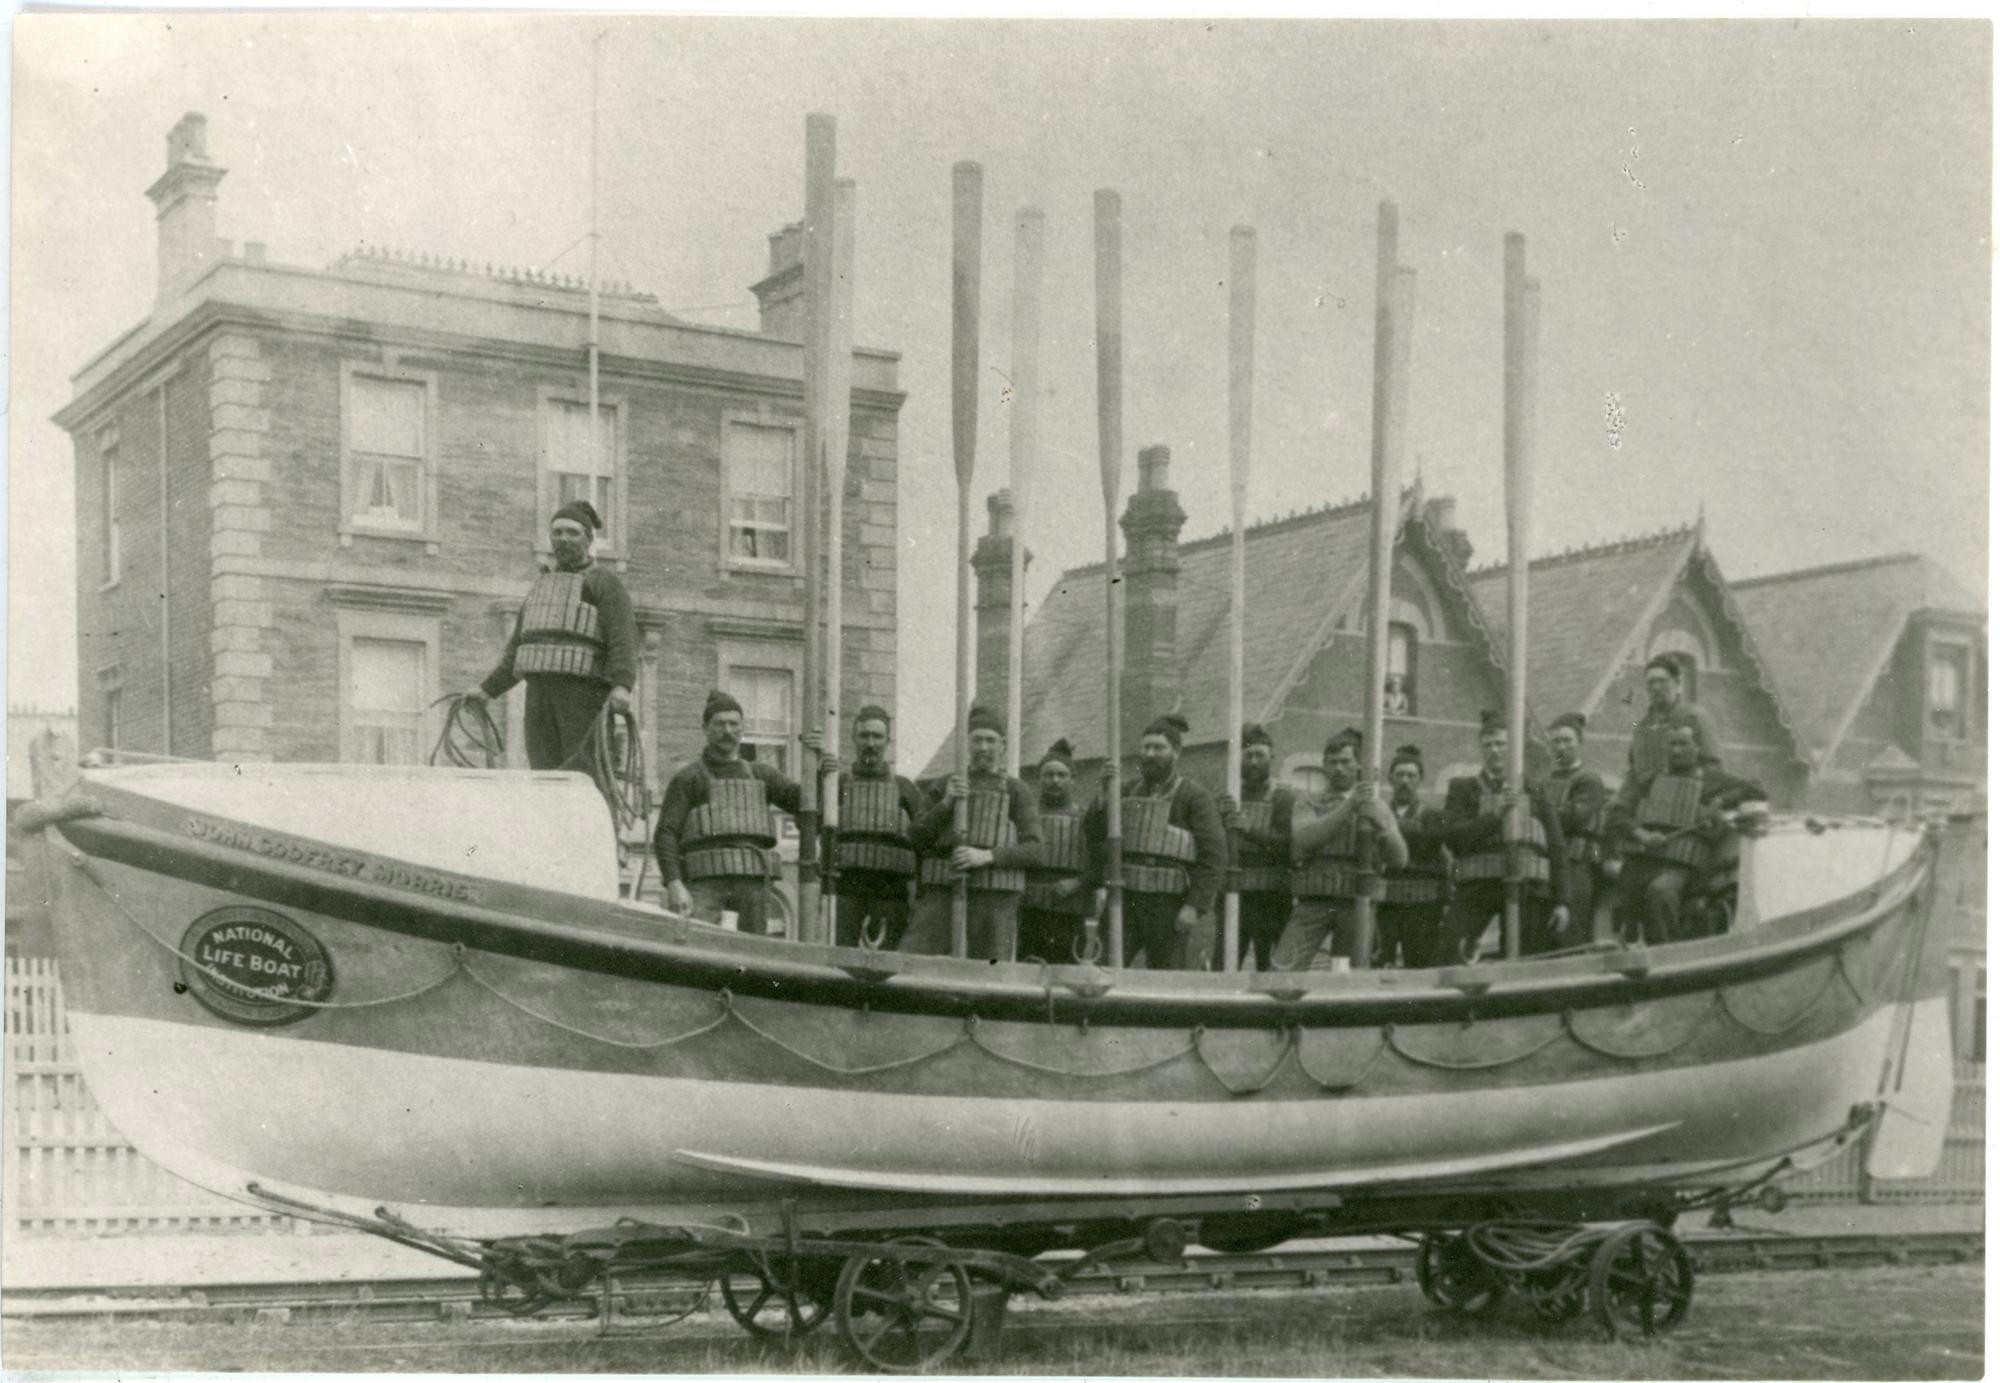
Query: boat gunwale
(611, 937)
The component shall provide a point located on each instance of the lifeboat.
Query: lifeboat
(417, 994)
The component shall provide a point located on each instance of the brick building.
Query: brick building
(310, 501)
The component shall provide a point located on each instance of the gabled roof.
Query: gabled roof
(1829, 632)
(1300, 572)
(1585, 607)
(1590, 608)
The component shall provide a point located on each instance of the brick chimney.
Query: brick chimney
(992, 570)
(184, 197)
(1443, 515)
(1152, 524)
(781, 293)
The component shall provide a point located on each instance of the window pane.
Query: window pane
(390, 490)
(570, 442)
(388, 416)
(386, 675)
(759, 460)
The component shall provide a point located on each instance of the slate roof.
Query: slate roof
(1582, 609)
(1827, 632)
(1300, 572)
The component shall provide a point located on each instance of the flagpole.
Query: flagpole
(1242, 359)
(1110, 460)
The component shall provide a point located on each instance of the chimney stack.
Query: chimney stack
(781, 293)
(1442, 513)
(1152, 524)
(184, 197)
(993, 571)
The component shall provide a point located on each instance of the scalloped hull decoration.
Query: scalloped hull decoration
(278, 980)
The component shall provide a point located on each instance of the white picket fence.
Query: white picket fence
(67, 1170)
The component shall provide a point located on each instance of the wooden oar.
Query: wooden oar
(966, 206)
(1520, 326)
(1242, 360)
(818, 276)
(838, 400)
(1023, 441)
(1110, 453)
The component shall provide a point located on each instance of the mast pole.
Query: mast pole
(1024, 439)
(1242, 360)
(1521, 312)
(818, 275)
(836, 404)
(966, 210)
(1110, 457)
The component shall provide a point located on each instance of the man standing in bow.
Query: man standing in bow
(1172, 849)
(1326, 856)
(1666, 707)
(1262, 822)
(1002, 840)
(574, 643)
(714, 837)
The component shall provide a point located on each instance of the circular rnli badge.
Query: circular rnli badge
(253, 965)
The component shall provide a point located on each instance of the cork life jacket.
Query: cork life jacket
(1333, 870)
(560, 632)
(1062, 859)
(729, 835)
(1423, 879)
(1673, 804)
(1491, 861)
(1261, 868)
(1154, 853)
(1580, 844)
(989, 825)
(874, 830)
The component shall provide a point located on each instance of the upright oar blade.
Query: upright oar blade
(819, 238)
(1242, 361)
(1110, 454)
(838, 399)
(1024, 438)
(1520, 322)
(966, 209)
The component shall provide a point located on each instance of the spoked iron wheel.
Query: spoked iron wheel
(1451, 1275)
(1640, 1282)
(902, 1316)
(776, 1300)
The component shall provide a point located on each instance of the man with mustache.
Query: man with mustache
(1326, 856)
(1171, 852)
(1666, 707)
(714, 838)
(1413, 897)
(1002, 840)
(1477, 816)
(574, 643)
(1058, 902)
(1670, 823)
(1579, 797)
(1262, 821)
(874, 856)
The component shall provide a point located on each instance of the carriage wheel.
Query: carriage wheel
(1641, 1282)
(1451, 1275)
(760, 1302)
(902, 1316)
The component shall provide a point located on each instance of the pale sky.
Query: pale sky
(1767, 240)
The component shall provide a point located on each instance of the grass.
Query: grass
(1875, 1323)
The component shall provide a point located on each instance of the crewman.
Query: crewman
(1002, 840)
(1327, 856)
(1669, 824)
(714, 837)
(1413, 898)
(1579, 796)
(574, 644)
(1477, 816)
(1262, 822)
(1171, 853)
(874, 856)
(1057, 903)
(1666, 708)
